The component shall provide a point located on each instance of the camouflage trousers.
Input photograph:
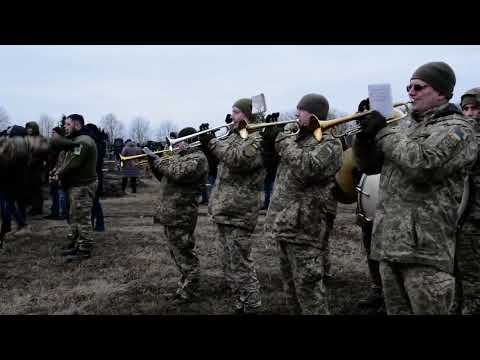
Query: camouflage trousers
(303, 277)
(416, 289)
(239, 267)
(181, 244)
(373, 265)
(468, 269)
(326, 244)
(81, 202)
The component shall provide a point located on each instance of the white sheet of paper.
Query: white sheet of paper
(259, 105)
(380, 96)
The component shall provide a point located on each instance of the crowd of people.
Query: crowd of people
(422, 246)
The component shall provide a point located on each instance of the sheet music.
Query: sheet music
(258, 104)
(380, 96)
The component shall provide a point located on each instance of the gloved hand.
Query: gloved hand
(151, 155)
(269, 134)
(205, 139)
(204, 126)
(272, 117)
(364, 105)
(371, 124)
(228, 119)
(182, 146)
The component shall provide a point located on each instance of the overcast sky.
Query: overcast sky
(189, 85)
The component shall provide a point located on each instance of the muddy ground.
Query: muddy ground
(131, 271)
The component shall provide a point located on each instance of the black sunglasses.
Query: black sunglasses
(416, 87)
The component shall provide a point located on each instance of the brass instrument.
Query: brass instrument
(249, 128)
(171, 145)
(346, 192)
(398, 115)
(246, 128)
(142, 157)
(172, 142)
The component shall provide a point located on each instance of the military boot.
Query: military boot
(70, 251)
(78, 256)
(23, 231)
(374, 300)
(71, 238)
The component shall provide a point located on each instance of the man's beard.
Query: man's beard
(73, 133)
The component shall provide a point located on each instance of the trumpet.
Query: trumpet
(327, 124)
(172, 142)
(398, 115)
(249, 128)
(141, 157)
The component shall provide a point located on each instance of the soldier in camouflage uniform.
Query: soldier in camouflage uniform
(182, 176)
(423, 168)
(468, 241)
(16, 152)
(78, 177)
(298, 216)
(235, 204)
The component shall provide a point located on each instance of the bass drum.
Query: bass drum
(367, 189)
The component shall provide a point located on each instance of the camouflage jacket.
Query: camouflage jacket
(473, 207)
(303, 191)
(79, 165)
(423, 168)
(182, 176)
(16, 154)
(235, 198)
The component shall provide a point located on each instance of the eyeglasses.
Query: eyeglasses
(416, 87)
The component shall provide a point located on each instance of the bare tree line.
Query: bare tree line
(140, 129)
(4, 118)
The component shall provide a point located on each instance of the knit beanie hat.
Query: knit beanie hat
(315, 104)
(438, 75)
(245, 106)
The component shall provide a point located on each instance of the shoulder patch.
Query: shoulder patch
(457, 134)
(77, 150)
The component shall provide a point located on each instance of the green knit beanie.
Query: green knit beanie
(438, 75)
(315, 104)
(245, 106)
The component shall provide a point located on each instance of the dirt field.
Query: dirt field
(131, 271)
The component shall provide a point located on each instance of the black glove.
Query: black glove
(371, 124)
(204, 126)
(272, 117)
(205, 139)
(364, 105)
(150, 154)
(228, 119)
(269, 134)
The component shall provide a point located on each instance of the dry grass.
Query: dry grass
(131, 271)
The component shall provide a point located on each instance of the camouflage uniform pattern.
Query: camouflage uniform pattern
(468, 247)
(234, 205)
(236, 198)
(182, 176)
(423, 168)
(298, 216)
(81, 202)
(422, 290)
(77, 175)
